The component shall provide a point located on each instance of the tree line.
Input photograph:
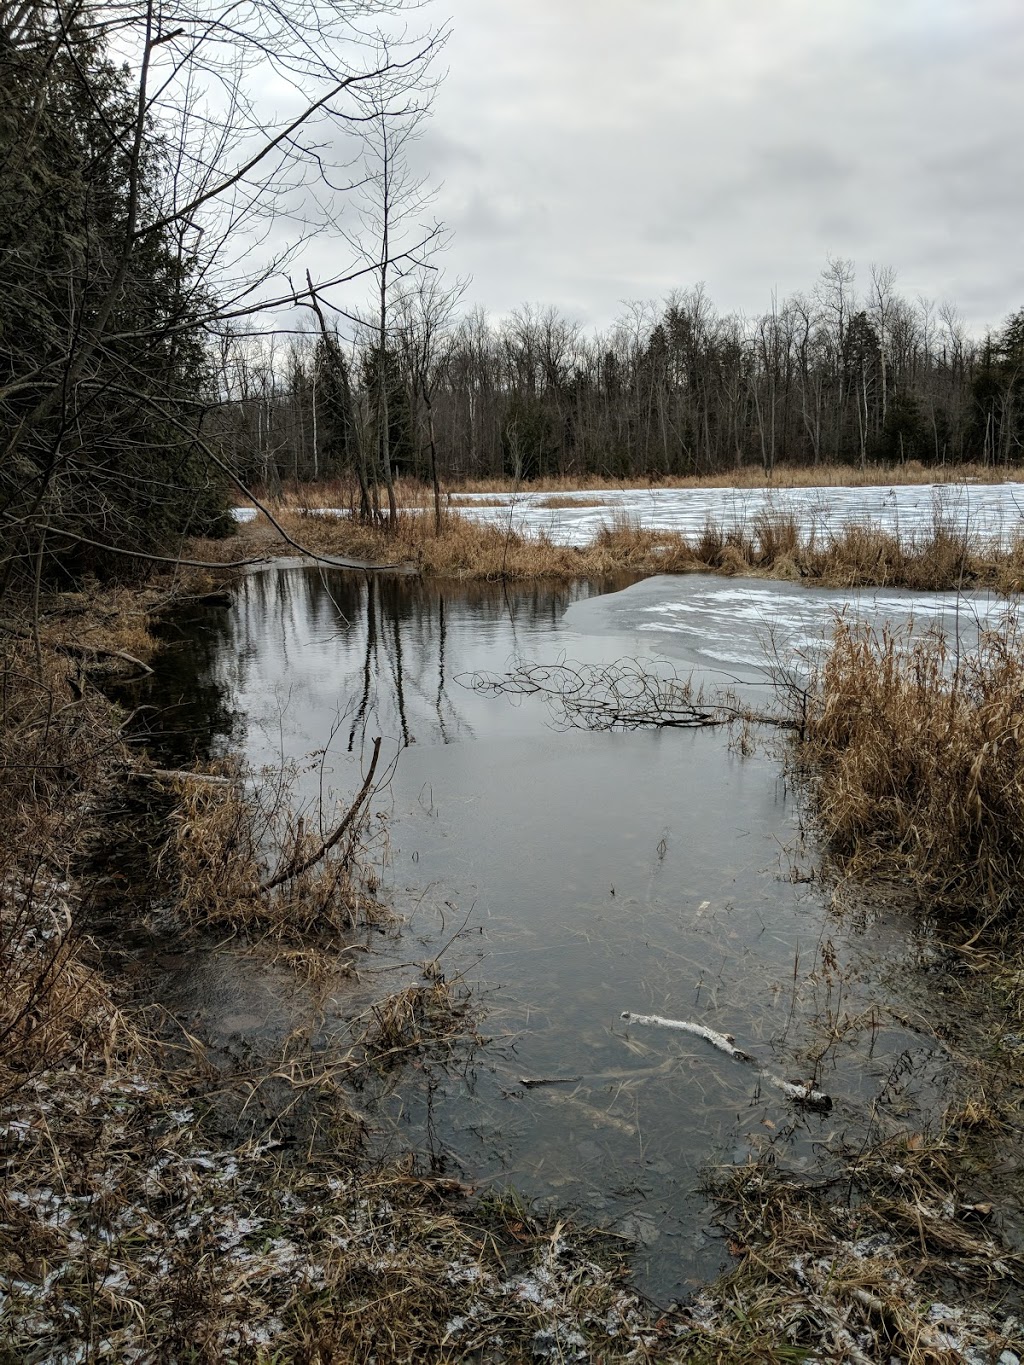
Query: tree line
(835, 375)
(153, 203)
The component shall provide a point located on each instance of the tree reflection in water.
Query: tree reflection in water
(383, 643)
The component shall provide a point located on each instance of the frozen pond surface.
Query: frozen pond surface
(989, 511)
(745, 627)
(568, 876)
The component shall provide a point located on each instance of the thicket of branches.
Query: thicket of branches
(836, 375)
(144, 168)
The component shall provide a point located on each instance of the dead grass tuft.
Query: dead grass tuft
(916, 755)
(417, 1016)
(244, 859)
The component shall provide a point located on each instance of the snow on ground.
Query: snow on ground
(989, 511)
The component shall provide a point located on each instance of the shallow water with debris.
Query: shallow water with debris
(567, 876)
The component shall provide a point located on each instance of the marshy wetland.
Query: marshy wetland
(559, 875)
(635, 1008)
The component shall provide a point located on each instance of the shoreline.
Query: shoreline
(772, 544)
(547, 1283)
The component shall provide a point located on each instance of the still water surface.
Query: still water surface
(567, 876)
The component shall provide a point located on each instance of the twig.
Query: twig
(300, 865)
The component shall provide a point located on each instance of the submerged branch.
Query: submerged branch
(624, 694)
(802, 1092)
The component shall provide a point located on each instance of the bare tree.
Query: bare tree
(206, 170)
(423, 317)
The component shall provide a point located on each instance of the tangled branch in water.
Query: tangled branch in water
(626, 694)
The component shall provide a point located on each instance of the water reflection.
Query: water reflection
(567, 877)
(362, 654)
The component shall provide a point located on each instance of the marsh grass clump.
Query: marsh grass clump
(915, 751)
(776, 536)
(244, 858)
(886, 1259)
(414, 1017)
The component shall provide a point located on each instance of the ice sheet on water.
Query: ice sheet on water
(753, 624)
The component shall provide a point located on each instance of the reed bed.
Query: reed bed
(344, 492)
(916, 757)
(771, 545)
(467, 550)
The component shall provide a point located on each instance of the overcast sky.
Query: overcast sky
(594, 152)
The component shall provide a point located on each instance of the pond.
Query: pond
(567, 876)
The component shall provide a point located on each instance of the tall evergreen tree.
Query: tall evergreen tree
(102, 370)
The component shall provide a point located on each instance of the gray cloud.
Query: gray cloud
(593, 152)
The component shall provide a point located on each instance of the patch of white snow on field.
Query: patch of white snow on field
(992, 512)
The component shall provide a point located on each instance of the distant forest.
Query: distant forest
(833, 376)
(143, 388)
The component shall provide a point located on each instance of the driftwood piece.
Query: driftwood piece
(531, 1081)
(299, 865)
(724, 1042)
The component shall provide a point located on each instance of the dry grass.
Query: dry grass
(467, 550)
(852, 1268)
(772, 545)
(414, 1017)
(344, 493)
(555, 502)
(229, 842)
(917, 761)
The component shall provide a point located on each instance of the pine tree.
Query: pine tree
(103, 373)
